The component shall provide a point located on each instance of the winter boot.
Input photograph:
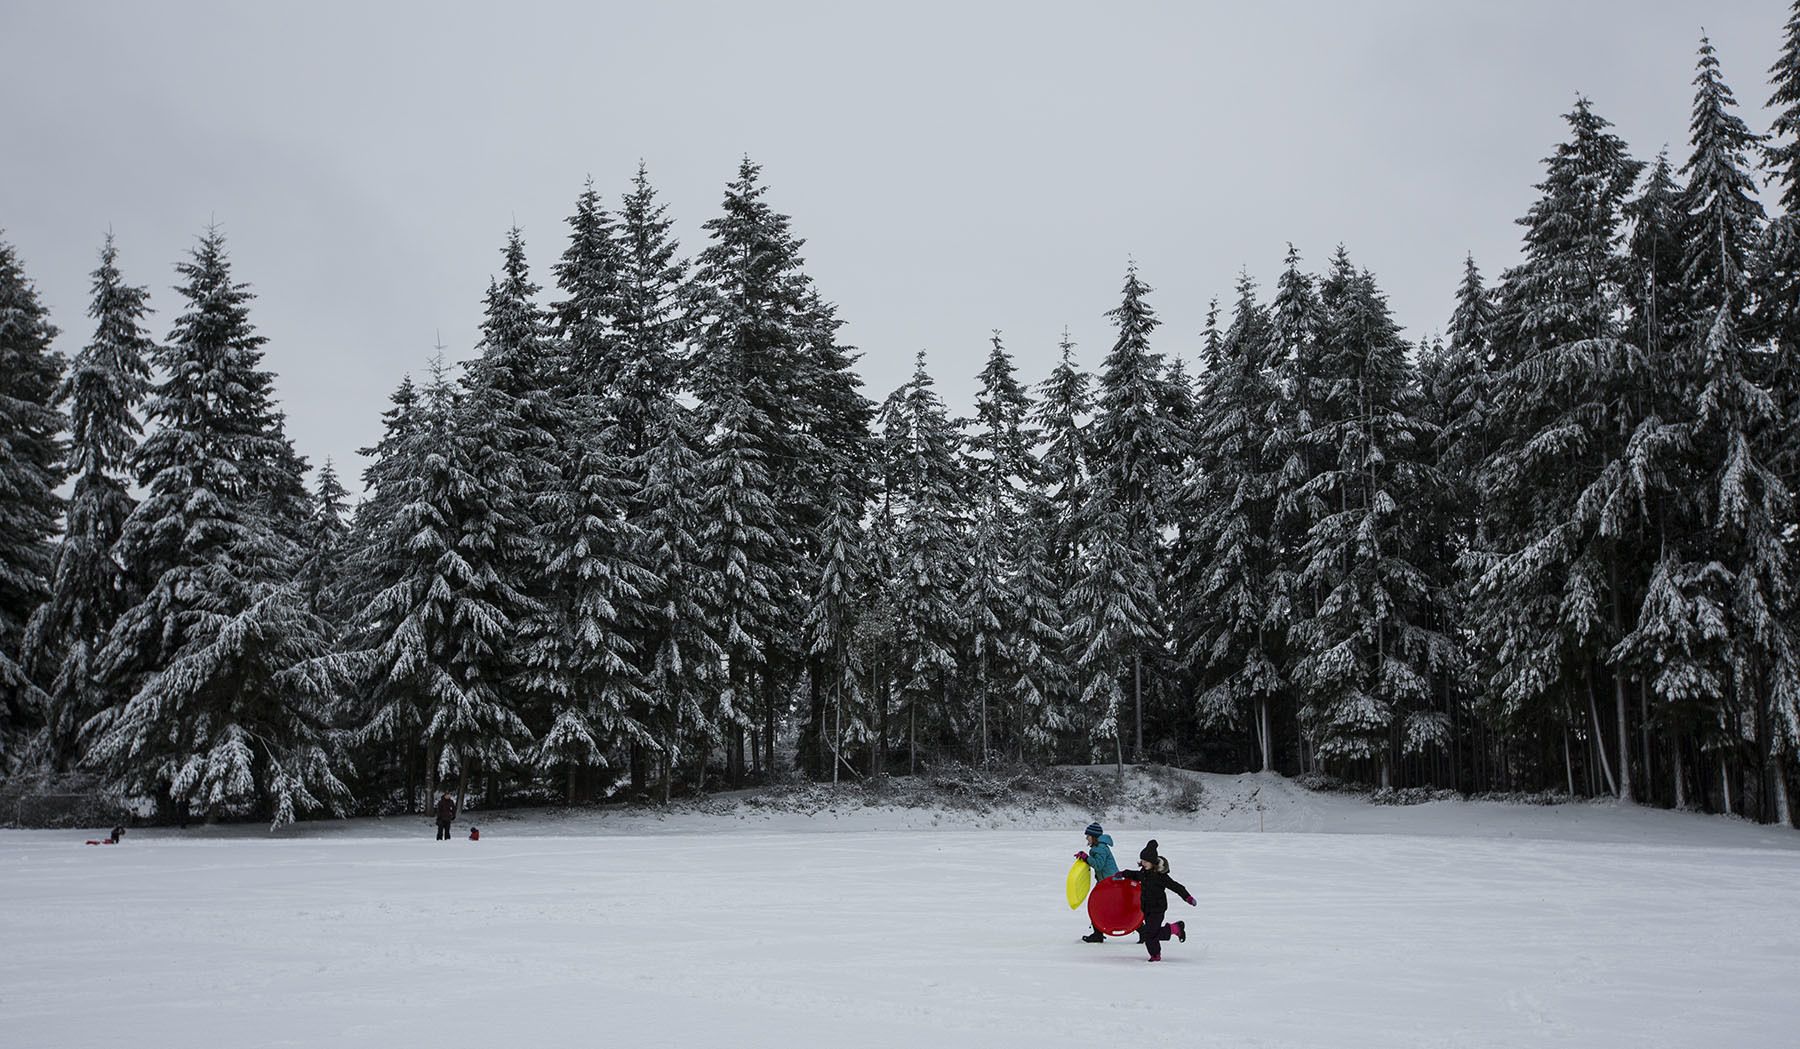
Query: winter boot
(1094, 937)
(1181, 931)
(1154, 958)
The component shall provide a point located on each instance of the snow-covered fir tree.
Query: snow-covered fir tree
(1063, 417)
(741, 536)
(1367, 649)
(327, 542)
(647, 315)
(831, 621)
(575, 642)
(604, 386)
(510, 427)
(589, 277)
(755, 326)
(1724, 221)
(929, 572)
(1296, 320)
(1737, 559)
(1456, 384)
(434, 629)
(1550, 594)
(1229, 628)
(840, 451)
(230, 687)
(1459, 390)
(102, 393)
(1111, 608)
(1036, 653)
(1004, 477)
(683, 660)
(1654, 284)
(1775, 284)
(31, 469)
(1131, 436)
(1782, 153)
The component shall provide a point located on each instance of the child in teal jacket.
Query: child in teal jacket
(1098, 855)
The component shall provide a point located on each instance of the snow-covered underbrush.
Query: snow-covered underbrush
(1323, 783)
(52, 801)
(985, 790)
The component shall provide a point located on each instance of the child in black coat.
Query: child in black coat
(1152, 876)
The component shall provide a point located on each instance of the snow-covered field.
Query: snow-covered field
(1450, 924)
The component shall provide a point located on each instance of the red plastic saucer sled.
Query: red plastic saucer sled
(1113, 906)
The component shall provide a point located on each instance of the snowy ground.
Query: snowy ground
(1450, 924)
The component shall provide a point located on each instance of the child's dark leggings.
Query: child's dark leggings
(443, 832)
(1154, 932)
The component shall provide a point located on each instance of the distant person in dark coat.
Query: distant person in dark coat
(1152, 876)
(446, 815)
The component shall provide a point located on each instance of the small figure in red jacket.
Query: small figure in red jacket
(446, 815)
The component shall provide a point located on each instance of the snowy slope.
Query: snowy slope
(1452, 924)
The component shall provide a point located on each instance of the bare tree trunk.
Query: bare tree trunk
(1725, 784)
(1599, 736)
(1681, 799)
(1784, 813)
(1137, 696)
(1625, 792)
(1568, 762)
(912, 741)
(1764, 788)
(981, 687)
(1300, 746)
(1454, 757)
(640, 769)
(1649, 789)
(879, 687)
(462, 781)
(1262, 732)
(770, 689)
(837, 722)
(813, 742)
(407, 761)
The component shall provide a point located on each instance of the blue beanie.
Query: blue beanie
(1095, 830)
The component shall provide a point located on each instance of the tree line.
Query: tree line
(653, 538)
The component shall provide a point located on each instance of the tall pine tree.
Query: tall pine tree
(1230, 632)
(103, 392)
(232, 687)
(1131, 436)
(929, 573)
(31, 469)
(1369, 646)
(1566, 398)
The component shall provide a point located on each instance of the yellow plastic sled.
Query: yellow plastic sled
(1080, 879)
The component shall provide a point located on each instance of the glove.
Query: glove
(1190, 900)
(1082, 856)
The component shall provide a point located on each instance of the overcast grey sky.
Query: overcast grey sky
(953, 167)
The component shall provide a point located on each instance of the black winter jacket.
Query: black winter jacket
(1156, 886)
